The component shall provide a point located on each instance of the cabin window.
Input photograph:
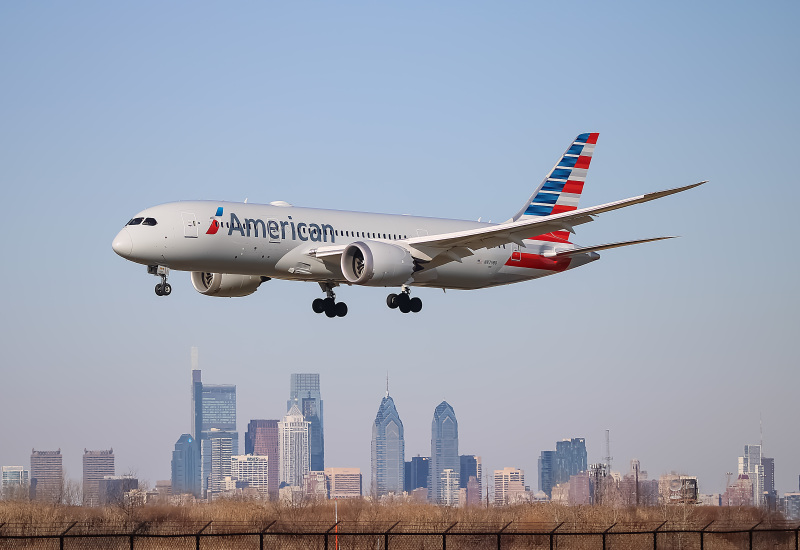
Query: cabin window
(135, 221)
(149, 221)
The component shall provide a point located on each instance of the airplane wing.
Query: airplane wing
(461, 243)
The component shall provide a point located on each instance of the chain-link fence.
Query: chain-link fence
(188, 535)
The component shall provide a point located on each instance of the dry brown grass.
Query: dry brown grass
(255, 514)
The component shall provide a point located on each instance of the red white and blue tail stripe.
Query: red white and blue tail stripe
(561, 189)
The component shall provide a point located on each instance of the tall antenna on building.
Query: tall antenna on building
(761, 432)
(608, 451)
(195, 362)
(387, 383)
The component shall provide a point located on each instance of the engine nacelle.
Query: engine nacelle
(374, 263)
(225, 285)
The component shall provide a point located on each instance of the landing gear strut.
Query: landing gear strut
(163, 288)
(329, 306)
(404, 302)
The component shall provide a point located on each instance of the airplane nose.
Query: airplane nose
(123, 245)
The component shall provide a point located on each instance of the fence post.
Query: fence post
(750, 533)
(261, 534)
(655, 535)
(606, 532)
(61, 537)
(444, 536)
(500, 532)
(702, 532)
(133, 533)
(327, 532)
(796, 538)
(386, 536)
(197, 535)
(553, 533)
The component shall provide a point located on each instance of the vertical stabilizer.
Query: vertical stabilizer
(561, 189)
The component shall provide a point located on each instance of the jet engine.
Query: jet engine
(374, 263)
(225, 285)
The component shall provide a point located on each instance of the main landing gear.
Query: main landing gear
(163, 288)
(404, 302)
(329, 306)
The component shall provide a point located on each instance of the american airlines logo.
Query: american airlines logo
(274, 229)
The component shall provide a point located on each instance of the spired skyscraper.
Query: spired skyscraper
(304, 392)
(444, 453)
(388, 450)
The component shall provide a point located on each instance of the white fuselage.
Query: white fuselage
(275, 241)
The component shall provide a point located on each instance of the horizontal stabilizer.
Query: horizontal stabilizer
(585, 249)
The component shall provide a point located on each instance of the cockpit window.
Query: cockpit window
(135, 221)
(149, 221)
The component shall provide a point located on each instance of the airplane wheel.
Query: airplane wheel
(416, 305)
(391, 301)
(341, 309)
(166, 289)
(330, 307)
(159, 290)
(318, 305)
(404, 303)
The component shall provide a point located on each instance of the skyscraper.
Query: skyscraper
(570, 459)
(444, 450)
(263, 439)
(96, 465)
(416, 474)
(304, 392)
(294, 452)
(471, 466)
(750, 464)
(216, 449)
(213, 411)
(219, 407)
(388, 450)
(509, 486)
(47, 478)
(770, 494)
(547, 467)
(186, 467)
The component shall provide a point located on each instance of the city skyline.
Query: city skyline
(399, 108)
(568, 459)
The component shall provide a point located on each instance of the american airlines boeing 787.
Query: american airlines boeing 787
(232, 248)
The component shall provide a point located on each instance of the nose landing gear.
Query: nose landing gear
(329, 306)
(163, 288)
(404, 302)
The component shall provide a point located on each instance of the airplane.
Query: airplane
(232, 248)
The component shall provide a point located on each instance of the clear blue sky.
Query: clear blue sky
(455, 109)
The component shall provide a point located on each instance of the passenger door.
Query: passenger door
(190, 228)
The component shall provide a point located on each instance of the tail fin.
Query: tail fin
(561, 189)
